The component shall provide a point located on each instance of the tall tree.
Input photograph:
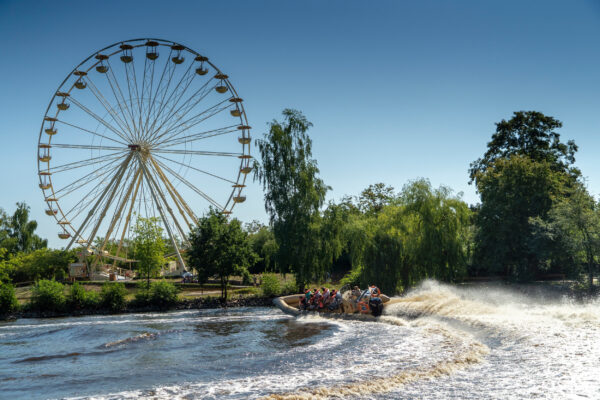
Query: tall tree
(17, 232)
(525, 169)
(576, 221)
(375, 197)
(293, 191)
(219, 247)
(530, 134)
(512, 192)
(148, 246)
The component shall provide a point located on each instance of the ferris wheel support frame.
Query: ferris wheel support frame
(137, 122)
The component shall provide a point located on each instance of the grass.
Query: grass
(188, 291)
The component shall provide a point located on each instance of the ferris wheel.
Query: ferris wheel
(142, 128)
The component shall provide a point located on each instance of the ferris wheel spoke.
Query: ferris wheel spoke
(92, 132)
(160, 210)
(186, 106)
(198, 152)
(124, 199)
(187, 78)
(84, 146)
(196, 136)
(137, 96)
(90, 177)
(153, 95)
(193, 121)
(86, 162)
(121, 100)
(161, 196)
(130, 106)
(145, 77)
(128, 218)
(191, 186)
(101, 241)
(163, 93)
(196, 169)
(109, 109)
(177, 199)
(113, 186)
(101, 120)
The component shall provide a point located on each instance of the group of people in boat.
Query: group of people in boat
(363, 301)
(315, 300)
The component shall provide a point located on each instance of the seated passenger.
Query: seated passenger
(326, 296)
(375, 292)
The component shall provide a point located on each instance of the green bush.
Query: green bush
(353, 278)
(79, 298)
(163, 294)
(113, 296)
(290, 287)
(246, 277)
(142, 294)
(270, 285)
(48, 296)
(8, 298)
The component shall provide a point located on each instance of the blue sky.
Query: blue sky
(396, 90)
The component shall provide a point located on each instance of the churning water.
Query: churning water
(440, 342)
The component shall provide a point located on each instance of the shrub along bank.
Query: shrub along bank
(50, 298)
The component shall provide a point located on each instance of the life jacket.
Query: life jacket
(375, 292)
(363, 307)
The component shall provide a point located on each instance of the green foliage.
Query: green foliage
(39, 264)
(8, 299)
(572, 233)
(529, 134)
(270, 285)
(79, 298)
(113, 296)
(524, 171)
(142, 293)
(219, 247)
(48, 295)
(263, 244)
(513, 191)
(149, 246)
(17, 232)
(163, 294)
(423, 234)
(289, 287)
(353, 277)
(293, 192)
(246, 277)
(374, 198)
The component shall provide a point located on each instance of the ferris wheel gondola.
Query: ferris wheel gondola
(141, 128)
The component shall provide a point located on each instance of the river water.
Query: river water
(440, 342)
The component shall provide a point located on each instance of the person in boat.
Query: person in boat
(336, 300)
(314, 300)
(318, 300)
(374, 291)
(304, 300)
(326, 296)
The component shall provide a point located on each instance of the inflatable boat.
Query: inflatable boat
(350, 308)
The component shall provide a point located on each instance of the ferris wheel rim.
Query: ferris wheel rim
(51, 196)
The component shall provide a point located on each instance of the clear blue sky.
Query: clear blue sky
(396, 89)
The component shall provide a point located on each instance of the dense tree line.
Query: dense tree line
(535, 218)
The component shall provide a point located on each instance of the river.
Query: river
(441, 342)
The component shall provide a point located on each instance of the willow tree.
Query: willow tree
(293, 192)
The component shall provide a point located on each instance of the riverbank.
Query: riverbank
(182, 304)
